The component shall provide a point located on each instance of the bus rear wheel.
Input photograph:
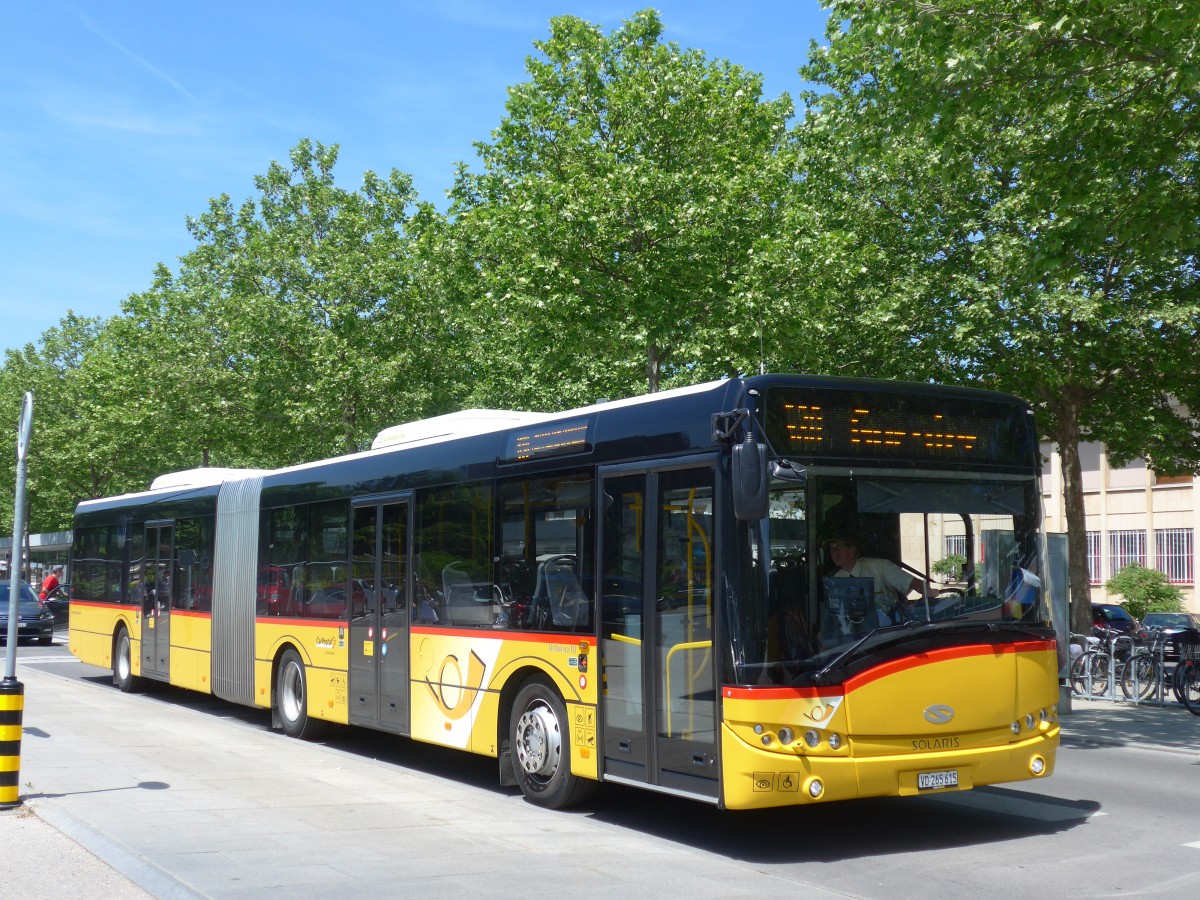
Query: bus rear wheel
(122, 664)
(291, 697)
(541, 752)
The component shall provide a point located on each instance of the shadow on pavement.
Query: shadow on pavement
(823, 833)
(1098, 724)
(842, 831)
(142, 785)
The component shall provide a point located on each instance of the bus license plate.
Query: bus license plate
(936, 781)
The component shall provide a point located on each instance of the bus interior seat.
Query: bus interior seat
(559, 593)
(463, 601)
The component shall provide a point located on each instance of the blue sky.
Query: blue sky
(118, 120)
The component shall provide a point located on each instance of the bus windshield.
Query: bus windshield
(860, 559)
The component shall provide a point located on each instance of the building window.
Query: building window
(956, 545)
(1126, 547)
(1094, 558)
(1172, 479)
(1173, 550)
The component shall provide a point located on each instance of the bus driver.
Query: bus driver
(890, 580)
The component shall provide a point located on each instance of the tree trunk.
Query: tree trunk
(653, 368)
(349, 429)
(1067, 438)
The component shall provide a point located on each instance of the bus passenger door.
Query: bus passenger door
(657, 584)
(378, 594)
(156, 600)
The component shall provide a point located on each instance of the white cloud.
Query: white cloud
(154, 70)
(87, 110)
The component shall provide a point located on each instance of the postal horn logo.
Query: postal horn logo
(939, 714)
(454, 693)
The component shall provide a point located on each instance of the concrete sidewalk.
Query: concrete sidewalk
(156, 805)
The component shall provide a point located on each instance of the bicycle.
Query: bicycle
(1089, 670)
(1141, 673)
(1182, 640)
(1097, 670)
(1187, 673)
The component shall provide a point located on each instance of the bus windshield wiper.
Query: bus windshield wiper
(819, 677)
(918, 625)
(971, 625)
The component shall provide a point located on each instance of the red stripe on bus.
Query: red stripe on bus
(883, 671)
(781, 693)
(535, 637)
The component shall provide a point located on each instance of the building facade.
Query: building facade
(1132, 515)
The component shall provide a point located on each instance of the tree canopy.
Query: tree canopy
(1039, 162)
(614, 222)
(318, 321)
(295, 329)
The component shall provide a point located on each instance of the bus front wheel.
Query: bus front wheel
(541, 751)
(122, 664)
(291, 697)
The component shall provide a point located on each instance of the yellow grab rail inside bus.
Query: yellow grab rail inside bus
(693, 645)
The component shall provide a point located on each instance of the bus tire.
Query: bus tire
(291, 697)
(122, 664)
(541, 751)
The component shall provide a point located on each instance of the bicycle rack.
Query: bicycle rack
(1162, 683)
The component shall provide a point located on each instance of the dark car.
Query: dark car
(1173, 625)
(58, 601)
(35, 622)
(1114, 618)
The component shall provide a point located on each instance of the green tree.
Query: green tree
(79, 446)
(608, 239)
(319, 319)
(1034, 165)
(297, 327)
(1144, 590)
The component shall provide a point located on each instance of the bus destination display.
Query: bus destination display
(830, 424)
(554, 439)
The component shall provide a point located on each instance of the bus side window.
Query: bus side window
(454, 547)
(547, 538)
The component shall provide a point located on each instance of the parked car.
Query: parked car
(1173, 626)
(35, 620)
(1115, 618)
(58, 601)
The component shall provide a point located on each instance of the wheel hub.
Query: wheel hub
(292, 700)
(538, 742)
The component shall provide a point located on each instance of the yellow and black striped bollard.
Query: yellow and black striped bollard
(12, 704)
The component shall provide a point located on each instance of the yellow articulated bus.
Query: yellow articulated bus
(723, 592)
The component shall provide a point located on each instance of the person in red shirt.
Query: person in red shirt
(52, 581)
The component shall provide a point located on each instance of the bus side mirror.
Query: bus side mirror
(750, 499)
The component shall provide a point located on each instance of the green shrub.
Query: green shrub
(952, 566)
(1144, 591)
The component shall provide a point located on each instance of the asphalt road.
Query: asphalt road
(1120, 816)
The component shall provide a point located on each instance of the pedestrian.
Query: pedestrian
(52, 581)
